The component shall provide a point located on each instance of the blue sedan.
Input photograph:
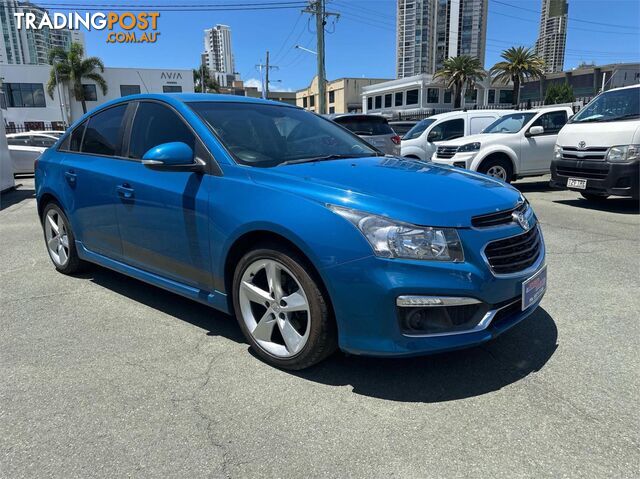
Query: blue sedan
(312, 238)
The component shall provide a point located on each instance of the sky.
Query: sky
(361, 42)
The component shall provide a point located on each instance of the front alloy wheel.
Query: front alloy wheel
(281, 310)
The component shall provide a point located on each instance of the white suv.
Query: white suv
(516, 145)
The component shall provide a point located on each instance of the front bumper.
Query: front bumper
(364, 295)
(603, 177)
(460, 160)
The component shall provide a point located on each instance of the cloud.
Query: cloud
(253, 82)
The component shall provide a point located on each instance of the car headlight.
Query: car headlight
(557, 152)
(394, 239)
(623, 153)
(469, 147)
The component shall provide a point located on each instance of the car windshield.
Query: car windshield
(611, 106)
(510, 123)
(418, 129)
(266, 135)
(365, 125)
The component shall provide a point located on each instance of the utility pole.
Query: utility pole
(265, 79)
(317, 8)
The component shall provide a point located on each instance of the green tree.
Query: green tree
(520, 64)
(70, 68)
(559, 93)
(460, 72)
(210, 83)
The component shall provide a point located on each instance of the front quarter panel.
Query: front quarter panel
(239, 205)
(508, 150)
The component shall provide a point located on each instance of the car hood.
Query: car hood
(413, 191)
(481, 137)
(600, 133)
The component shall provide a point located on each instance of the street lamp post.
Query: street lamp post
(62, 109)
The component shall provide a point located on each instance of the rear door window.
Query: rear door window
(479, 123)
(366, 126)
(155, 124)
(18, 141)
(103, 135)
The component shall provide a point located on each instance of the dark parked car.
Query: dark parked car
(374, 129)
(401, 127)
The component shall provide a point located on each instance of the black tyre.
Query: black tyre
(60, 240)
(594, 197)
(497, 168)
(282, 309)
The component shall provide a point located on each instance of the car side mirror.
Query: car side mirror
(432, 136)
(535, 131)
(174, 156)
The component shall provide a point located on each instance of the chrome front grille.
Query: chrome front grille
(503, 217)
(446, 151)
(514, 254)
(592, 153)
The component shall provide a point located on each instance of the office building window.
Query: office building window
(332, 97)
(90, 93)
(447, 96)
(378, 102)
(492, 97)
(399, 98)
(369, 103)
(304, 102)
(24, 95)
(332, 109)
(171, 89)
(129, 90)
(387, 100)
(506, 96)
(433, 95)
(312, 101)
(412, 97)
(471, 96)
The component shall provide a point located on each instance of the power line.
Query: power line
(568, 17)
(295, 25)
(573, 28)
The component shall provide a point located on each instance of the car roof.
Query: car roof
(334, 116)
(625, 87)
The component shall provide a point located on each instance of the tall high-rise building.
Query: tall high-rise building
(218, 54)
(430, 31)
(552, 38)
(29, 47)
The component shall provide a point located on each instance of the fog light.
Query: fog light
(460, 164)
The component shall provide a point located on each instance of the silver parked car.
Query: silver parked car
(374, 129)
(25, 148)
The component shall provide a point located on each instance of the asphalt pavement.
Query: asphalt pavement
(105, 376)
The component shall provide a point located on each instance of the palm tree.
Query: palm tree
(460, 72)
(70, 67)
(210, 83)
(520, 64)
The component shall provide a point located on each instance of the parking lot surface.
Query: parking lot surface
(105, 376)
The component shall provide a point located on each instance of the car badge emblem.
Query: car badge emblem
(582, 145)
(521, 219)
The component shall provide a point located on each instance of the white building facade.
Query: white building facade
(430, 31)
(30, 47)
(418, 92)
(218, 54)
(26, 104)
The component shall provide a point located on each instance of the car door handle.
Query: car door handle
(125, 191)
(71, 177)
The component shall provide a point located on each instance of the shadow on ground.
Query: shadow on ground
(533, 186)
(610, 205)
(16, 196)
(443, 377)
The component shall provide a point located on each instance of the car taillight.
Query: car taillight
(396, 139)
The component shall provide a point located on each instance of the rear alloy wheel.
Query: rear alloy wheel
(60, 240)
(281, 310)
(497, 168)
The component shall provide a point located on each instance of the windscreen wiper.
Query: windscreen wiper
(327, 158)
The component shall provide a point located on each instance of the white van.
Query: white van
(422, 140)
(514, 146)
(598, 152)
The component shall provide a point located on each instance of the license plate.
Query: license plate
(577, 183)
(534, 288)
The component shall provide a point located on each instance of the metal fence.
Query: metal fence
(27, 126)
(421, 114)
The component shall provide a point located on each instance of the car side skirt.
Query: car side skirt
(215, 299)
